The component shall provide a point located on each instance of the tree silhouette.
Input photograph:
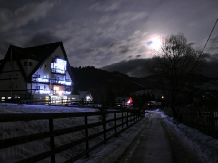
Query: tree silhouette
(174, 65)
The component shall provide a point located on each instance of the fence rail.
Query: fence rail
(111, 122)
(203, 119)
(65, 102)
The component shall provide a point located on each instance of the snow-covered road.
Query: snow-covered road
(159, 142)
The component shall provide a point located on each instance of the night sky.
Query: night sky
(109, 34)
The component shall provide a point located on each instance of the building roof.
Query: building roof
(83, 94)
(39, 53)
(120, 99)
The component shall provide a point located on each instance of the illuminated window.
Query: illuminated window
(9, 97)
(56, 88)
(59, 66)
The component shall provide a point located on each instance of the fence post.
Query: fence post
(127, 115)
(51, 128)
(87, 135)
(115, 124)
(122, 120)
(104, 127)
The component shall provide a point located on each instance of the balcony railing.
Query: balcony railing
(57, 70)
(56, 92)
(63, 82)
(48, 92)
(52, 81)
(36, 76)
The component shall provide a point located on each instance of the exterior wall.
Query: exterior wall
(28, 69)
(12, 81)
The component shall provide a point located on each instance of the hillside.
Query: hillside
(104, 85)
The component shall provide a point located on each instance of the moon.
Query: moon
(153, 43)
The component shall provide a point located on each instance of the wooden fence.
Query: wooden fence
(38, 101)
(203, 119)
(112, 123)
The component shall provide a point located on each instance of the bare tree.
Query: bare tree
(174, 64)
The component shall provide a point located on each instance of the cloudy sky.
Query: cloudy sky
(110, 34)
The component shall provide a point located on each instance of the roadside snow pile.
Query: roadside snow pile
(203, 144)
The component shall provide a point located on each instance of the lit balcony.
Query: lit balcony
(67, 82)
(57, 70)
(40, 80)
(61, 82)
(36, 76)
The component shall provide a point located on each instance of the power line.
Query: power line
(209, 36)
(213, 45)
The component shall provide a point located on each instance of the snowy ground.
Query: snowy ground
(204, 145)
(109, 153)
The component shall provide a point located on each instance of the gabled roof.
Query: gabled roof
(120, 99)
(39, 53)
(83, 94)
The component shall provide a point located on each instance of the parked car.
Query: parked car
(72, 104)
(98, 105)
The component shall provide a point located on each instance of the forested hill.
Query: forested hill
(104, 85)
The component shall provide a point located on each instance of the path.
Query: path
(159, 143)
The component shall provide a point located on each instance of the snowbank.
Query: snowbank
(204, 145)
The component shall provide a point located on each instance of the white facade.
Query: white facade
(45, 78)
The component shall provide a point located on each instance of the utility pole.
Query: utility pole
(12, 69)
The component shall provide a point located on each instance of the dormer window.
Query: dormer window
(28, 63)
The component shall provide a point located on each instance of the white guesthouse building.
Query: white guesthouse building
(36, 73)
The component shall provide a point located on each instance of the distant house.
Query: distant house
(39, 72)
(126, 101)
(85, 96)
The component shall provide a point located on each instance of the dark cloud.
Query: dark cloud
(42, 38)
(99, 33)
(133, 68)
(124, 49)
(191, 43)
(12, 19)
(3, 48)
